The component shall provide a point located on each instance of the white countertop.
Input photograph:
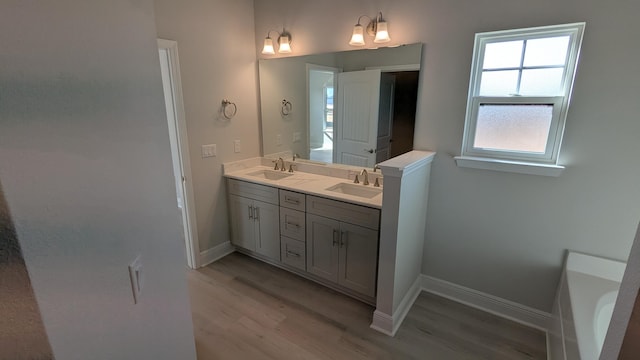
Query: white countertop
(308, 183)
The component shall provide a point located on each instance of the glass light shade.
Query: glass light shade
(268, 47)
(283, 41)
(382, 35)
(357, 39)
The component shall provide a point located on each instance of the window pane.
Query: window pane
(498, 83)
(505, 54)
(546, 51)
(523, 128)
(541, 82)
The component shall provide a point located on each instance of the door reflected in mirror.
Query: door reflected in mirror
(353, 107)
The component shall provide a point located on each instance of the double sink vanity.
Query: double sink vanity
(314, 221)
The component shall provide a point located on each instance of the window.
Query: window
(518, 99)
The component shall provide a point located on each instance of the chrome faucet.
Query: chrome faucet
(366, 177)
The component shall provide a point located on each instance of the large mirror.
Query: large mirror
(352, 107)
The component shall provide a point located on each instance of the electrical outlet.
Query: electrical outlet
(137, 279)
(209, 150)
(236, 146)
(278, 139)
(296, 136)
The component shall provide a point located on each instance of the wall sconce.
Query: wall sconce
(377, 27)
(284, 43)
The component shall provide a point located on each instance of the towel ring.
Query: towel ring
(229, 109)
(286, 107)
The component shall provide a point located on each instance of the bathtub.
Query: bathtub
(584, 304)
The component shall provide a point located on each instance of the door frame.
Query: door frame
(335, 70)
(188, 208)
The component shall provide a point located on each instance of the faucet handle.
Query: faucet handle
(356, 181)
(377, 183)
(290, 168)
(275, 162)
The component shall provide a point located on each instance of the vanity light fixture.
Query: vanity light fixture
(377, 27)
(284, 43)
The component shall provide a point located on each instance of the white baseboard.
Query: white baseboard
(389, 324)
(215, 253)
(489, 303)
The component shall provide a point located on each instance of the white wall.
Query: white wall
(86, 169)
(217, 60)
(501, 233)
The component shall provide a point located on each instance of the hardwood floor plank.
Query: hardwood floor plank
(246, 309)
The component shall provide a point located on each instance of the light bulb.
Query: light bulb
(382, 35)
(268, 47)
(357, 39)
(284, 47)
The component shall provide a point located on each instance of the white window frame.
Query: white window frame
(523, 162)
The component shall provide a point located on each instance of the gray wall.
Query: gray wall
(86, 169)
(501, 233)
(217, 60)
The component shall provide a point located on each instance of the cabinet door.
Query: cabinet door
(358, 258)
(267, 240)
(242, 222)
(322, 247)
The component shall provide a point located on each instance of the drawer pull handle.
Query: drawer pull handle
(250, 211)
(291, 200)
(343, 239)
(292, 224)
(256, 216)
(335, 237)
(291, 253)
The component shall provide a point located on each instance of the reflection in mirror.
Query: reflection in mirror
(352, 107)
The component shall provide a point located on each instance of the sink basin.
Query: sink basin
(356, 190)
(270, 174)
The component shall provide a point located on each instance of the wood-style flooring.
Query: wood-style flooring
(245, 309)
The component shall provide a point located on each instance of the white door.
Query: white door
(356, 123)
(168, 53)
(385, 119)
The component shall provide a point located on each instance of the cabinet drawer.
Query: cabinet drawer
(264, 193)
(292, 252)
(349, 213)
(292, 200)
(292, 223)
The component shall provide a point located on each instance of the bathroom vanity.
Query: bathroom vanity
(325, 228)
(318, 223)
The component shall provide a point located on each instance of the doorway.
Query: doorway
(170, 69)
(321, 88)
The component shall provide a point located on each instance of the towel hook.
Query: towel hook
(229, 109)
(286, 107)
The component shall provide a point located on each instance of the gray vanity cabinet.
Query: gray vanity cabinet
(255, 218)
(339, 248)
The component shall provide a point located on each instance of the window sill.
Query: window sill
(519, 167)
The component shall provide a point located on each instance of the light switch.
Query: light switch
(236, 146)
(278, 139)
(137, 280)
(296, 136)
(209, 150)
